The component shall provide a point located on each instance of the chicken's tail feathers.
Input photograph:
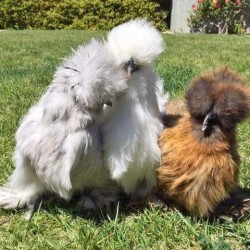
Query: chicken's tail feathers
(21, 189)
(137, 40)
(11, 198)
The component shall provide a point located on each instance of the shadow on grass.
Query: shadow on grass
(236, 208)
(54, 206)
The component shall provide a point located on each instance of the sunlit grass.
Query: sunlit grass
(27, 62)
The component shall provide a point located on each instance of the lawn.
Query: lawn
(27, 62)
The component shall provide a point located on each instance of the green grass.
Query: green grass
(27, 62)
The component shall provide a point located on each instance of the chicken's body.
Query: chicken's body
(130, 141)
(130, 136)
(196, 173)
(200, 163)
(58, 144)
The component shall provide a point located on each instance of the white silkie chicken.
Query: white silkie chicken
(131, 132)
(58, 144)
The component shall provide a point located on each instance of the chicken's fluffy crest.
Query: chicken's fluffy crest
(136, 39)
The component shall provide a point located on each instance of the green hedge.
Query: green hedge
(77, 14)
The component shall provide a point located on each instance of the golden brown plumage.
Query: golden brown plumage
(200, 163)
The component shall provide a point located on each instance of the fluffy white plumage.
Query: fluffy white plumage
(131, 133)
(135, 39)
(58, 144)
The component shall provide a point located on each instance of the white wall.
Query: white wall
(179, 14)
(248, 22)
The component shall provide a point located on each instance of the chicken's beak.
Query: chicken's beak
(206, 121)
(129, 70)
(131, 67)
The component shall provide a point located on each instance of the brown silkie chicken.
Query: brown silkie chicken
(200, 163)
